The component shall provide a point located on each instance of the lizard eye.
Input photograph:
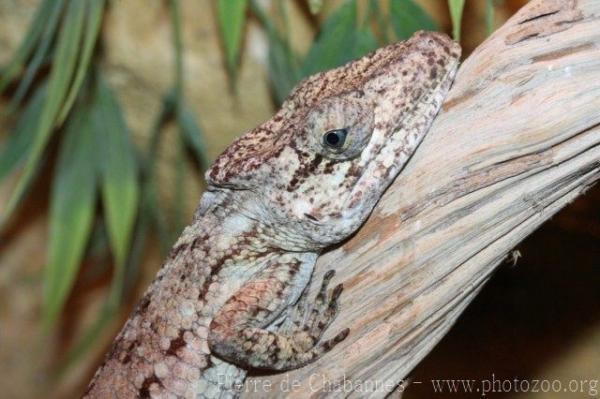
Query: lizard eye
(335, 139)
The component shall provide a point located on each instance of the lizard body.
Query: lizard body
(276, 198)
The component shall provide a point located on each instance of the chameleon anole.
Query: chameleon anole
(230, 295)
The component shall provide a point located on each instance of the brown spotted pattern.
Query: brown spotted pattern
(229, 296)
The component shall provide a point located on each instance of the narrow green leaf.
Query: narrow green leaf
(71, 214)
(341, 39)
(60, 77)
(150, 192)
(36, 27)
(365, 41)
(407, 17)
(231, 15)
(192, 134)
(20, 140)
(456, 12)
(89, 337)
(489, 16)
(284, 69)
(284, 66)
(335, 43)
(109, 308)
(94, 13)
(118, 167)
(381, 21)
(40, 55)
(91, 334)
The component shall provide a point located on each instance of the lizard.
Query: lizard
(232, 293)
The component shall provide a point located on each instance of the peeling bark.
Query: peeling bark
(518, 139)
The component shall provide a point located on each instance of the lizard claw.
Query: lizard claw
(323, 312)
(337, 291)
(310, 320)
(323, 291)
(330, 343)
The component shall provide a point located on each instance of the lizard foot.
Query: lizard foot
(315, 319)
(294, 345)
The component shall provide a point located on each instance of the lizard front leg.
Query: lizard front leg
(238, 331)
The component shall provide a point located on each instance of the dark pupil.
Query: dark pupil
(335, 138)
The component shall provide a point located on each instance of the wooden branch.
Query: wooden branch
(518, 139)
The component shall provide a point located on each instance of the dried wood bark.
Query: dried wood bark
(518, 139)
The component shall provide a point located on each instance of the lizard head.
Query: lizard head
(318, 167)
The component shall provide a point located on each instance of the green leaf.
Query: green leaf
(90, 336)
(231, 15)
(340, 40)
(284, 66)
(456, 12)
(408, 17)
(365, 42)
(335, 42)
(94, 13)
(192, 134)
(284, 69)
(60, 77)
(118, 169)
(489, 16)
(149, 167)
(71, 214)
(36, 27)
(380, 19)
(40, 54)
(20, 140)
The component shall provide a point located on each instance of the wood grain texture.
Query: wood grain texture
(518, 139)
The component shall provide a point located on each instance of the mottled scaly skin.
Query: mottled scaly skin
(276, 198)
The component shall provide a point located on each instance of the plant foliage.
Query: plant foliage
(100, 177)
